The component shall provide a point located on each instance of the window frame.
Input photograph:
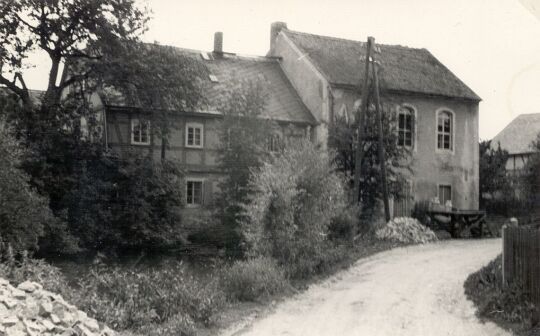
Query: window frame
(132, 132)
(445, 110)
(194, 180)
(194, 126)
(439, 185)
(413, 112)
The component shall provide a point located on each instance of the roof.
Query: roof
(518, 135)
(282, 104)
(404, 69)
(35, 95)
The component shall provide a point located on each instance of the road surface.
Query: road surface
(412, 291)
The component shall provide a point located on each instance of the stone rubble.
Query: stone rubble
(29, 310)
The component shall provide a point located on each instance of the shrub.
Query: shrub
(24, 215)
(253, 279)
(129, 299)
(296, 196)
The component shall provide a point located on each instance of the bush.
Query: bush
(24, 215)
(253, 279)
(297, 195)
(133, 203)
(503, 304)
(128, 299)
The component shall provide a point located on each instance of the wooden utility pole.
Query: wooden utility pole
(361, 119)
(382, 159)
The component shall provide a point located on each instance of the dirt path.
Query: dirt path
(408, 291)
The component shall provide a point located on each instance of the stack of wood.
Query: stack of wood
(406, 230)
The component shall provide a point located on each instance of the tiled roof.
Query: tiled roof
(282, 104)
(404, 69)
(518, 135)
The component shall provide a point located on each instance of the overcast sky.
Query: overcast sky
(492, 45)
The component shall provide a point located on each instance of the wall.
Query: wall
(309, 83)
(430, 166)
(199, 163)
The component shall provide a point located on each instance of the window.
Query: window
(274, 143)
(194, 135)
(194, 193)
(406, 127)
(445, 194)
(445, 120)
(140, 132)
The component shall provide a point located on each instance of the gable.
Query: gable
(404, 69)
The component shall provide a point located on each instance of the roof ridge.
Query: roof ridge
(226, 54)
(350, 40)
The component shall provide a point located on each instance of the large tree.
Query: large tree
(493, 178)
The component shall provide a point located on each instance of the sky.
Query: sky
(491, 45)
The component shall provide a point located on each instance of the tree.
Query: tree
(342, 139)
(493, 178)
(244, 137)
(531, 178)
(297, 194)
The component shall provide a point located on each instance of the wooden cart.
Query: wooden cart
(455, 221)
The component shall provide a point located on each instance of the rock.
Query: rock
(9, 321)
(55, 319)
(48, 325)
(91, 324)
(29, 287)
(18, 294)
(45, 308)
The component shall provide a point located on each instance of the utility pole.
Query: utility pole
(382, 160)
(361, 119)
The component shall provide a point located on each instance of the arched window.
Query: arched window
(445, 128)
(406, 127)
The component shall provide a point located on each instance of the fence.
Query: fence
(521, 259)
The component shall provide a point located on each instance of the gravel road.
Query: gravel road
(412, 291)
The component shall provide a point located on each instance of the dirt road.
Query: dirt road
(408, 291)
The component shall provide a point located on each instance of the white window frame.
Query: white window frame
(139, 121)
(274, 142)
(195, 180)
(410, 108)
(194, 126)
(452, 130)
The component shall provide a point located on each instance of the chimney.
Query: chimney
(275, 28)
(218, 42)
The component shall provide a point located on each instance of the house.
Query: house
(438, 112)
(195, 142)
(516, 138)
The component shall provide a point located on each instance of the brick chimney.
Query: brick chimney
(275, 28)
(218, 42)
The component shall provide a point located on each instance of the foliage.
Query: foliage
(342, 139)
(531, 177)
(253, 279)
(98, 43)
(164, 298)
(244, 137)
(24, 215)
(130, 203)
(493, 179)
(296, 196)
(503, 304)
(130, 299)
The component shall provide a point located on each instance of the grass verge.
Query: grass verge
(507, 306)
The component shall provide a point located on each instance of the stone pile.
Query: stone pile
(29, 310)
(406, 230)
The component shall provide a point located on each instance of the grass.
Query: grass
(507, 306)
